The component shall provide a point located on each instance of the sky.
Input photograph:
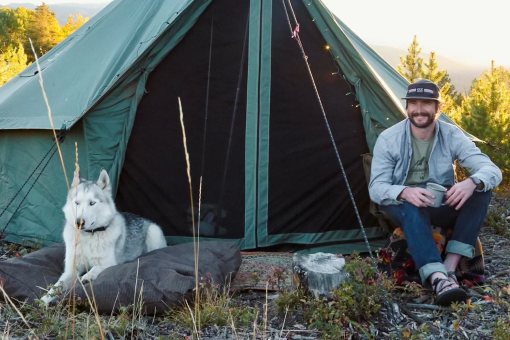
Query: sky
(473, 32)
(469, 31)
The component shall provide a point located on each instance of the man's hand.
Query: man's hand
(417, 196)
(459, 193)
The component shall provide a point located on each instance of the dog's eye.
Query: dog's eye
(92, 203)
(76, 202)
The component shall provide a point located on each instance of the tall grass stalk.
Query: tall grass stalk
(72, 297)
(39, 71)
(265, 313)
(198, 243)
(195, 242)
(134, 299)
(135, 304)
(76, 175)
(193, 317)
(284, 319)
(234, 331)
(255, 326)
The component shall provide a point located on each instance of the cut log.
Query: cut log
(318, 273)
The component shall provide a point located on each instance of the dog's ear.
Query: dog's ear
(76, 178)
(104, 182)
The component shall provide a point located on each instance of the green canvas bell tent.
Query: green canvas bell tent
(256, 136)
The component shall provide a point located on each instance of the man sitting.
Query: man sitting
(422, 149)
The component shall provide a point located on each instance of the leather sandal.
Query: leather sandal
(452, 277)
(446, 297)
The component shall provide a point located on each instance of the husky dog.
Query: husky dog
(97, 236)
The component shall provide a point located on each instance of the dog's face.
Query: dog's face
(90, 205)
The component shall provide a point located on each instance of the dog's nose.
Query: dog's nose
(80, 222)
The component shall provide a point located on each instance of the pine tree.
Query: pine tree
(442, 79)
(452, 104)
(44, 30)
(446, 83)
(12, 62)
(432, 71)
(486, 114)
(504, 75)
(72, 25)
(412, 64)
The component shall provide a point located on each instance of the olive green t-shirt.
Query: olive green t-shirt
(419, 170)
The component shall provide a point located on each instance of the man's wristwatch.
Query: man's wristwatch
(478, 182)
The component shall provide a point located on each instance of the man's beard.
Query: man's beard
(427, 123)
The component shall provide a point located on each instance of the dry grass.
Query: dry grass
(43, 322)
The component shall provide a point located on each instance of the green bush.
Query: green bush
(354, 301)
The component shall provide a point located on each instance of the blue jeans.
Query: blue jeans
(416, 223)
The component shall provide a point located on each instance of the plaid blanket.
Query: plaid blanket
(399, 264)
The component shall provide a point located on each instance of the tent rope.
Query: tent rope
(295, 35)
(239, 79)
(61, 137)
(204, 138)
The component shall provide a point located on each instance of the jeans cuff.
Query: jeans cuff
(460, 248)
(429, 269)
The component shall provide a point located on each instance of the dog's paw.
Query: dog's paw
(47, 299)
(90, 276)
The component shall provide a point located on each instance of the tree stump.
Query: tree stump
(318, 273)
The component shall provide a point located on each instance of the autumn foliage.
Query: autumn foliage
(40, 25)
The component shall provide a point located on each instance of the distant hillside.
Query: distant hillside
(461, 75)
(62, 11)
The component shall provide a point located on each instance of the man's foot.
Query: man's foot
(447, 290)
(452, 277)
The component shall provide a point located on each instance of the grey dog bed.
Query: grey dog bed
(167, 275)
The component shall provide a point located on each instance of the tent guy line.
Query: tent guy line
(297, 38)
(206, 109)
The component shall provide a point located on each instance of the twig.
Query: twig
(411, 314)
(475, 294)
(432, 307)
(433, 329)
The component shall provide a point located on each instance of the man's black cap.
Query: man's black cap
(423, 89)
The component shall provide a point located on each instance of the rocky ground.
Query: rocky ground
(416, 317)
